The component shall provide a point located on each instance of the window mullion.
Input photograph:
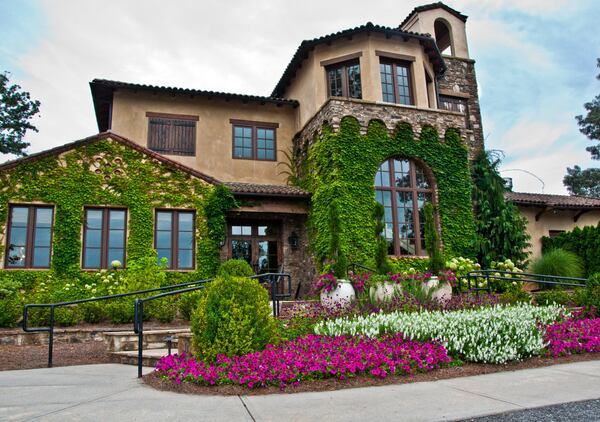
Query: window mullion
(417, 220)
(104, 239)
(254, 142)
(174, 240)
(29, 237)
(345, 89)
(395, 83)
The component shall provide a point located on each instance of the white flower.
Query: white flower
(115, 264)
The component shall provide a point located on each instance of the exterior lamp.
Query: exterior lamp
(294, 240)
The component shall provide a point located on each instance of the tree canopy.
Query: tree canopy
(16, 110)
(583, 182)
(589, 124)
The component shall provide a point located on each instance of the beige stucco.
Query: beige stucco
(309, 86)
(213, 131)
(554, 220)
(423, 22)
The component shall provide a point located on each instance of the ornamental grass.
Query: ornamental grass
(573, 336)
(309, 358)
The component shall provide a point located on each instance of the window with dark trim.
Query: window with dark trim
(403, 188)
(396, 85)
(104, 237)
(174, 238)
(172, 134)
(254, 140)
(554, 233)
(343, 79)
(29, 236)
(457, 104)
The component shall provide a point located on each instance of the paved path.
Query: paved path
(112, 393)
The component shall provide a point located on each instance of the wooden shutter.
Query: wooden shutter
(172, 136)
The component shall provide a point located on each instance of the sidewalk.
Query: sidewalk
(111, 392)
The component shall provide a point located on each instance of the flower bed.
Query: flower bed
(493, 335)
(573, 336)
(308, 358)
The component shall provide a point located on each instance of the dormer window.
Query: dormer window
(343, 79)
(396, 86)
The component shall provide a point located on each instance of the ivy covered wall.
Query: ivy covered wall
(341, 169)
(106, 172)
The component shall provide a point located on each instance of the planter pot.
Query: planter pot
(383, 292)
(341, 296)
(442, 293)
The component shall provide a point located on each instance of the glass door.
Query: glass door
(256, 243)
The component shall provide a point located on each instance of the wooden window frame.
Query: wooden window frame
(344, 66)
(254, 237)
(29, 236)
(105, 229)
(173, 264)
(409, 76)
(455, 100)
(414, 191)
(254, 126)
(172, 119)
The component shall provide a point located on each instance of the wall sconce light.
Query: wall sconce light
(221, 243)
(294, 240)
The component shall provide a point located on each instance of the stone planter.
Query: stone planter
(341, 296)
(441, 292)
(383, 292)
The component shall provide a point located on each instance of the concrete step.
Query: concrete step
(149, 357)
(120, 341)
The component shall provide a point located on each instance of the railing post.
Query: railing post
(139, 306)
(51, 337)
(273, 294)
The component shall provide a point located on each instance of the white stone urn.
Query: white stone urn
(384, 292)
(441, 292)
(342, 295)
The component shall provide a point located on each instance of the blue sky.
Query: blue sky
(535, 61)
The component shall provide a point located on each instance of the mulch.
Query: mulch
(331, 384)
(64, 354)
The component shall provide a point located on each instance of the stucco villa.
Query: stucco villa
(365, 114)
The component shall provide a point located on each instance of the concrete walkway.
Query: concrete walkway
(112, 393)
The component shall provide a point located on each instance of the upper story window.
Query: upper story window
(403, 188)
(104, 237)
(254, 140)
(29, 236)
(172, 134)
(343, 79)
(174, 238)
(396, 86)
(453, 104)
(443, 36)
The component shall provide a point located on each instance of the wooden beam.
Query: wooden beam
(579, 214)
(541, 212)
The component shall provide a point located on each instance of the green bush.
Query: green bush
(557, 296)
(585, 242)
(558, 262)
(233, 317)
(235, 268)
(10, 310)
(515, 296)
(594, 280)
(588, 298)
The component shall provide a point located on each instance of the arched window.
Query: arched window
(402, 187)
(443, 37)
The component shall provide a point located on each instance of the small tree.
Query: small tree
(501, 229)
(583, 182)
(432, 241)
(16, 110)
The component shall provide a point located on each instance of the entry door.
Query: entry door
(256, 243)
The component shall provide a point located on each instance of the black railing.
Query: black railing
(474, 279)
(352, 267)
(274, 279)
(275, 295)
(52, 306)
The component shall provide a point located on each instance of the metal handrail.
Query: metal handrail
(138, 319)
(490, 275)
(352, 267)
(52, 306)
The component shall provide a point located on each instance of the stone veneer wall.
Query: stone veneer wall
(334, 110)
(460, 77)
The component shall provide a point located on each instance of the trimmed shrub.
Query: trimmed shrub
(557, 296)
(558, 262)
(585, 242)
(594, 280)
(233, 317)
(235, 268)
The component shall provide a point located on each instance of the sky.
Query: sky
(535, 62)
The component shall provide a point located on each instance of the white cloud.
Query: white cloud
(529, 136)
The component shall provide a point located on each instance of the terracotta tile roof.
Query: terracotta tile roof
(554, 201)
(308, 45)
(432, 6)
(266, 190)
(102, 92)
(109, 135)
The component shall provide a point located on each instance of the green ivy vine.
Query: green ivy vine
(107, 173)
(341, 169)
